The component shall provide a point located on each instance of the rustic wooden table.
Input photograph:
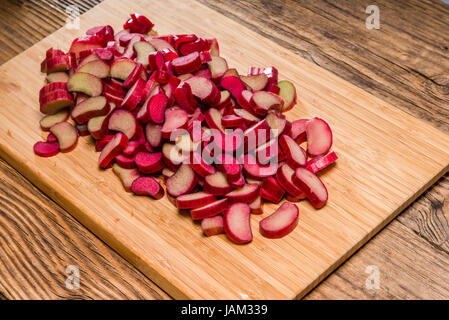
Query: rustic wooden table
(405, 62)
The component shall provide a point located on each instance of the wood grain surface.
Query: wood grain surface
(31, 225)
(426, 218)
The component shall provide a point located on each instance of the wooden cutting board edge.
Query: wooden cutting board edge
(133, 258)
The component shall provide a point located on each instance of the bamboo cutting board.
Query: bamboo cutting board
(387, 158)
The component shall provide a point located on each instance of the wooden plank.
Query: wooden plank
(422, 275)
(429, 217)
(310, 102)
(26, 22)
(39, 240)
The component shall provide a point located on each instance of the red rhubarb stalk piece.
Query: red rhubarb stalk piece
(271, 190)
(281, 222)
(298, 130)
(187, 64)
(175, 118)
(295, 155)
(134, 95)
(237, 223)
(112, 149)
(124, 121)
(319, 163)
(147, 186)
(212, 226)
(127, 176)
(148, 163)
(194, 200)
(209, 210)
(217, 184)
(46, 149)
(284, 177)
(182, 182)
(314, 189)
(319, 137)
(66, 134)
(247, 194)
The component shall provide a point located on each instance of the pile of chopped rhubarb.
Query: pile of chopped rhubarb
(168, 110)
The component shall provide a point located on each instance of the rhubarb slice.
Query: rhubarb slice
(149, 162)
(55, 101)
(175, 118)
(46, 149)
(125, 162)
(237, 223)
(210, 210)
(256, 82)
(85, 83)
(257, 171)
(288, 94)
(281, 222)
(218, 66)
(217, 184)
(147, 186)
(263, 101)
(122, 68)
(212, 226)
(127, 176)
(135, 75)
(123, 121)
(153, 134)
(295, 155)
(132, 149)
(285, 178)
(50, 120)
(114, 147)
(182, 182)
(319, 137)
(143, 49)
(97, 68)
(249, 118)
(314, 189)
(134, 95)
(187, 64)
(213, 119)
(298, 130)
(90, 108)
(247, 194)
(57, 77)
(233, 84)
(205, 90)
(256, 206)
(172, 156)
(200, 166)
(319, 163)
(271, 190)
(98, 127)
(184, 97)
(194, 200)
(66, 135)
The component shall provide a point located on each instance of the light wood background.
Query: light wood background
(424, 228)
